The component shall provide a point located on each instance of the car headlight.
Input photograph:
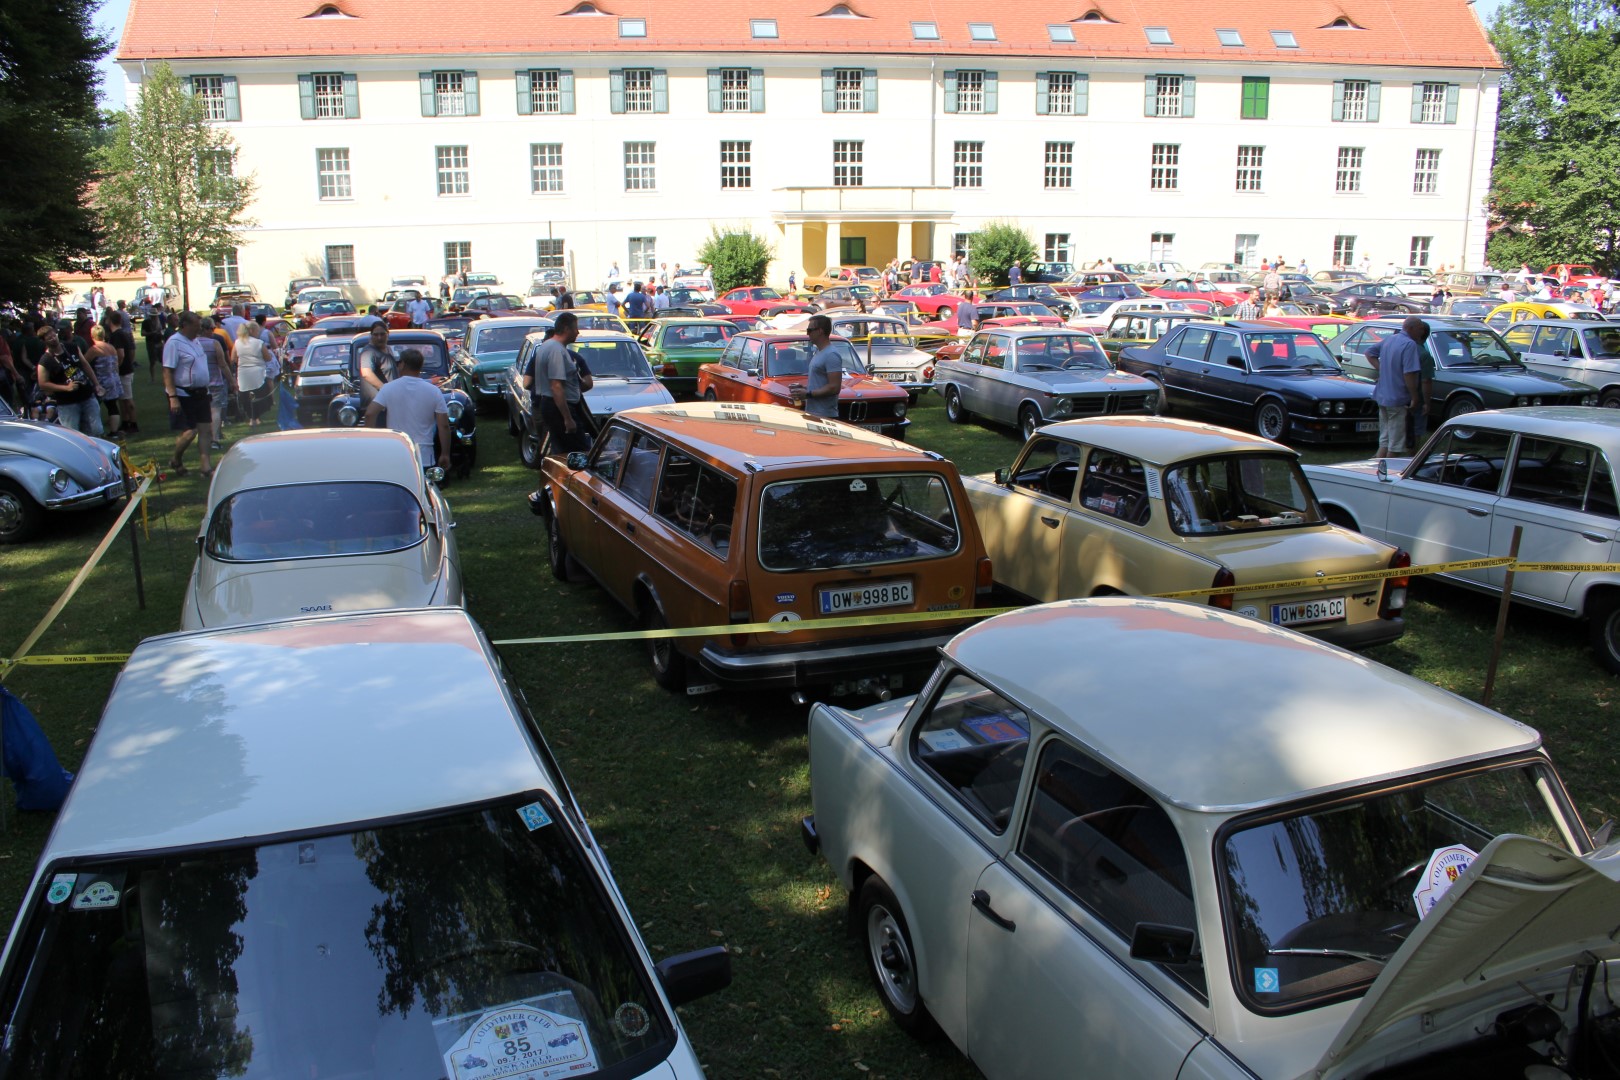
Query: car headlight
(1589, 399)
(1537, 401)
(1062, 407)
(348, 416)
(899, 409)
(1338, 407)
(60, 479)
(453, 409)
(1324, 407)
(1521, 401)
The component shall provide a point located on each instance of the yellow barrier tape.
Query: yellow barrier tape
(69, 658)
(1358, 576)
(1566, 568)
(837, 623)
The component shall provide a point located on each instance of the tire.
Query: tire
(1460, 405)
(891, 959)
(1603, 625)
(669, 666)
(562, 563)
(1610, 399)
(955, 412)
(529, 447)
(710, 395)
(1161, 406)
(1271, 419)
(20, 515)
(1029, 418)
(946, 311)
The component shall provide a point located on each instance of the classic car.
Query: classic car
(1467, 307)
(845, 296)
(328, 306)
(590, 299)
(45, 468)
(701, 300)
(1145, 505)
(1420, 286)
(1189, 289)
(754, 299)
(1040, 293)
(934, 299)
(298, 285)
(466, 294)
(1576, 274)
(1472, 283)
(928, 331)
(890, 350)
(601, 320)
(306, 297)
(1503, 316)
(677, 347)
(295, 344)
(1046, 273)
(622, 379)
(225, 860)
(1095, 315)
(476, 278)
(551, 276)
(1339, 277)
(764, 366)
(490, 346)
(1326, 327)
(1278, 861)
(542, 297)
(1101, 283)
(1016, 313)
(1549, 471)
(495, 304)
(1370, 299)
(397, 312)
(1573, 349)
(1282, 382)
(233, 293)
(320, 519)
(1473, 367)
(1311, 299)
(705, 514)
(1142, 326)
(842, 275)
(453, 326)
(1029, 376)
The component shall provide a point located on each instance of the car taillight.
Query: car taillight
(1394, 601)
(928, 373)
(984, 579)
(1223, 579)
(741, 609)
(671, 370)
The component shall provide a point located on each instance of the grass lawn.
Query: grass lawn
(697, 800)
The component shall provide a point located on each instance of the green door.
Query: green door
(852, 251)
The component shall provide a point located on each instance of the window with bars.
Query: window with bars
(734, 90)
(545, 91)
(638, 90)
(549, 254)
(1060, 94)
(1166, 174)
(1167, 95)
(1426, 174)
(1419, 253)
(1432, 109)
(1162, 247)
(849, 90)
(332, 173)
(640, 166)
(1056, 249)
(457, 256)
(340, 262)
(1355, 101)
(737, 164)
(970, 92)
(545, 167)
(848, 162)
(643, 253)
(329, 96)
(1344, 250)
(1256, 97)
(210, 90)
(222, 269)
(449, 94)
(1059, 165)
(968, 170)
(1347, 179)
(1250, 161)
(455, 175)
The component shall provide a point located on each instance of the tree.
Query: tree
(48, 54)
(996, 247)
(169, 189)
(1558, 134)
(735, 258)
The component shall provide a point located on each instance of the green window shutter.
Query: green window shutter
(1043, 87)
(829, 90)
(469, 91)
(950, 91)
(525, 92)
(1082, 95)
(869, 90)
(616, 90)
(306, 97)
(660, 91)
(351, 96)
(1417, 103)
(717, 97)
(1374, 92)
(1451, 103)
(1338, 100)
(1150, 95)
(756, 89)
(430, 104)
(565, 92)
(233, 104)
(1189, 95)
(991, 94)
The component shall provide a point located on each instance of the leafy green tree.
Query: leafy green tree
(735, 257)
(169, 187)
(1558, 134)
(996, 247)
(48, 54)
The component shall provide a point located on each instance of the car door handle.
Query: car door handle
(981, 901)
(629, 526)
(593, 501)
(1596, 537)
(1050, 523)
(1479, 511)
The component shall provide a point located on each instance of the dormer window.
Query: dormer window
(841, 11)
(1094, 16)
(585, 9)
(1341, 23)
(329, 11)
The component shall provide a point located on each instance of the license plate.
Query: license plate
(891, 376)
(1366, 425)
(888, 594)
(1330, 609)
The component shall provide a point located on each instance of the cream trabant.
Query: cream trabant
(1143, 838)
(326, 519)
(1148, 505)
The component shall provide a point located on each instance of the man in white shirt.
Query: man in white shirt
(661, 298)
(419, 310)
(416, 407)
(185, 380)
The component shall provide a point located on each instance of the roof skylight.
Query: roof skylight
(1158, 35)
(1229, 37)
(979, 31)
(762, 28)
(632, 28)
(1060, 32)
(1284, 39)
(925, 31)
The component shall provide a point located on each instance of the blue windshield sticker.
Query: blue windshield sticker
(534, 816)
(1266, 981)
(61, 888)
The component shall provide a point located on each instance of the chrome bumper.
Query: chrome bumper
(84, 500)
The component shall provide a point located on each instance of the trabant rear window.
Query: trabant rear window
(302, 521)
(614, 359)
(1238, 493)
(497, 339)
(327, 356)
(856, 520)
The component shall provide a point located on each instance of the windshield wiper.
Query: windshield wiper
(1353, 954)
(1041, 367)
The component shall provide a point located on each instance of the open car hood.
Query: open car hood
(1523, 909)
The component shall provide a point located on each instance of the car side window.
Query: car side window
(1223, 348)
(1465, 457)
(697, 500)
(1552, 340)
(1191, 344)
(1116, 486)
(1520, 337)
(610, 451)
(1557, 473)
(995, 353)
(974, 741)
(641, 469)
(753, 349)
(974, 353)
(1049, 467)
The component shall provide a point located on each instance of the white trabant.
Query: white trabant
(332, 847)
(318, 520)
(1549, 471)
(1254, 855)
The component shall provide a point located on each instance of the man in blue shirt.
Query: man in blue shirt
(1398, 360)
(1015, 274)
(636, 304)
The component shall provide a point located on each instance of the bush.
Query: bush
(735, 258)
(996, 247)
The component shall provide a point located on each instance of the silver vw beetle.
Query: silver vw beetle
(49, 467)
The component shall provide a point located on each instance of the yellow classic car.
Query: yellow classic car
(1145, 505)
(1507, 314)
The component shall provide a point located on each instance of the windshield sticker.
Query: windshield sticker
(100, 895)
(632, 1020)
(61, 888)
(996, 729)
(521, 1042)
(1266, 980)
(534, 816)
(857, 485)
(947, 739)
(1445, 866)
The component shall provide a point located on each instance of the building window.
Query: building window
(970, 92)
(638, 90)
(849, 88)
(457, 256)
(1348, 178)
(545, 167)
(1432, 106)
(340, 262)
(1355, 101)
(328, 96)
(734, 89)
(643, 253)
(210, 90)
(640, 166)
(455, 177)
(1162, 247)
(1230, 38)
(1426, 175)
(969, 165)
(1056, 249)
(1166, 167)
(961, 244)
(545, 92)
(1246, 249)
(1256, 97)
(222, 270)
(1060, 94)
(1418, 257)
(1250, 160)
(332, 173)
(1059, 165)
(632, 28)
(762, 28)
(548, 254)
(214, 176)
(1344, 250)
(737, 164)
(449, 94)
(848, 159)
(1167, 95)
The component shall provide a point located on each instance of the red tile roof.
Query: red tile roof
(1419, 33)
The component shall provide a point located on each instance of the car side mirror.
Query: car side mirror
(434, 473)
(691, 975)
(576, 460)
(1235, 362)
(1161, 944)
(1001, 476)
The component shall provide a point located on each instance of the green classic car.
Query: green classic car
(678, 347)
(1144, 327)
(488, 349)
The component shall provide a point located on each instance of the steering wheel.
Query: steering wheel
(1396, 879)
(1049, 478)
(483, 948)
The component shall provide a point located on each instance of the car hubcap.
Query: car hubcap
(891, 959)
(11, 513)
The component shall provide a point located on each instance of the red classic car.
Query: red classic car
(761, 300)
(1188, 289)
(764, 366)
(935, 299)
(1017, 313)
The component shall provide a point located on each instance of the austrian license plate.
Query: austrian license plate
(1366, 425)
(861, 597)
(892, 376)
(1329, 609)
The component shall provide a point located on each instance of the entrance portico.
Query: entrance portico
(861, 226)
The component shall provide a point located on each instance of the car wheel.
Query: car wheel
(562, 563)
(710, 395)
(1271, 420)
(669, 666)
(1604, 626)
(20, 515)
(1460, 405)
(529, 447)
(946, 311)
(1161, 404)
(1610, 399)
(954, 410)
(1029, 418)
(891, 958)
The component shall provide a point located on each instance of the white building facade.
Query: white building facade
(377, 161)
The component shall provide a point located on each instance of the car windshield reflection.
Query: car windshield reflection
(503, 339)
(614, 359)
(1462, 348)
(1061, 351)
(844, 521)
(302, 521)
(1288, 350)
(1239, 492)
